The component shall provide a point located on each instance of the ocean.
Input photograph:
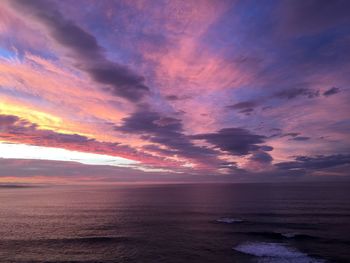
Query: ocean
(297, 223)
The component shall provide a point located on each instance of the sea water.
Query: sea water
(304, 222)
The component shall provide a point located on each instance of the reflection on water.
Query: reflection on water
(176, 223)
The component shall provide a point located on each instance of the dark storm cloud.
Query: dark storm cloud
(83, 46)
(331, 91)
(315, 162)
(166, 131)
(237, 141)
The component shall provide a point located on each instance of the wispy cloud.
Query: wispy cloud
(189, 87)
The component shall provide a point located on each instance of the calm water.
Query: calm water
(176, 223)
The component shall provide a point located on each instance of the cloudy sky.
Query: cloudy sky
(124, 91)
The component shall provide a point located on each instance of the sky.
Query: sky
(174, 91)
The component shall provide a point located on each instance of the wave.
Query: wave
(283, 236)
(295, 235)
(290, 235)
(290, 225)
(98, 239)
(301, 214)
(67, 240)
(286, 235)
(275, 252)
(229, 220)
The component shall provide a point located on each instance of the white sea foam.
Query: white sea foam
(289, 235)
(229, 220)
(275, 252)
(261, 249)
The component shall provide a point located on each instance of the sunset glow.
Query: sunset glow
(213, 90)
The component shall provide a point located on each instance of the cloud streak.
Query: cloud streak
(16, 130)
(168, 132)
(193, 88)
(236, 141)
(83, 46)
(315, 162)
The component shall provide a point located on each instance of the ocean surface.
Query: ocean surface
(295, 223)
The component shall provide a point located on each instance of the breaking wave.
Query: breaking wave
(229, 220)
(275, 252)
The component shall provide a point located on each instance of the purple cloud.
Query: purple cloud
(331, 91)
(84, 47)
(315, 162)
(237, 141)
(166, 131)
